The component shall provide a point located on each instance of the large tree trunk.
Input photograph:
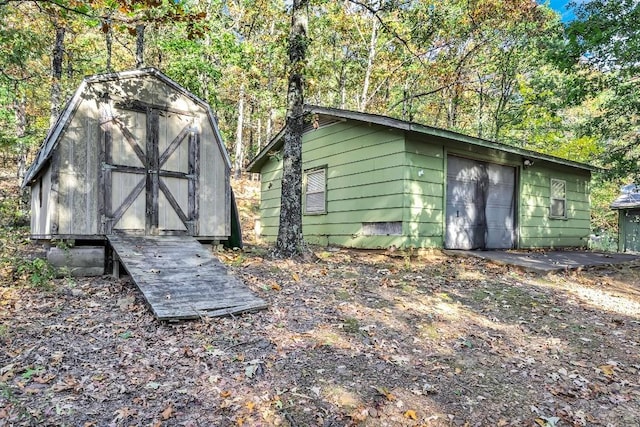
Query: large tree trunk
(140, 46)
(290, 240)
(56, 74)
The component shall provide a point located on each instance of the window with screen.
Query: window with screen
(315, 192)
(558, 198)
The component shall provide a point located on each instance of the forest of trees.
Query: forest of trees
(505, 70)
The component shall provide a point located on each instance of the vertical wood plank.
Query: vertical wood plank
(152, 183)
(102, 193)
(194, 182)
(55, 195)
(108, 179)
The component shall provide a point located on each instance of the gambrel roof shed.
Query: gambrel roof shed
(131, 152)
(371, 181)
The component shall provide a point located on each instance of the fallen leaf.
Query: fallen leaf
(386, 393)
(411, 414)
(359, 414)
(45, 379)
(166, 414)
(124, 413)
(225, 393)
(606, 369)
(276, 287)
(295, 277)
(250, 405)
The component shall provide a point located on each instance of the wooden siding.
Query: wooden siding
(215, 187)
(78, 174)
(537, 228)
(40, 210)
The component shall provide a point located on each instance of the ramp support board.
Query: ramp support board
(181, 279)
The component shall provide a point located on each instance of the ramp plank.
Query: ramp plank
(181, 279)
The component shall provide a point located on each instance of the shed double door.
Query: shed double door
(480, 205)
(150, 172)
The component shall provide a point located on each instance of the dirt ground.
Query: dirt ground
(350, 338)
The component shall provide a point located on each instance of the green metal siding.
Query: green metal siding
(537, 228)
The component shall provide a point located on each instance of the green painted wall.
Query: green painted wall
(424, 190)
(629, 230)
(365, 183)
(378, 175)
(537, 228)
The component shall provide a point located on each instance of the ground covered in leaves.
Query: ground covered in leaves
(350, 338)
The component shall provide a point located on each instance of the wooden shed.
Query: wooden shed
(372, 181)
(132, 152)
(628, 206)
(135, 152)
(137, 161)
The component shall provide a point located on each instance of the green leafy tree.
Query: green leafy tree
(605, 37)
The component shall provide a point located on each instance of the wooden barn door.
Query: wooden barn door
(150, 172)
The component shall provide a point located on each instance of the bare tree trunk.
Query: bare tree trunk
(108, 35)
(290, 241)
(20, 113)
(364, 99)
(259, 132)
(270, 120)
(56, 74)
(140, 46)
(238, 149)
(481, 99)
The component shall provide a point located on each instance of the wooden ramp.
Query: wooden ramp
(180, 278)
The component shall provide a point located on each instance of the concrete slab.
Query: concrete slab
(550, 261)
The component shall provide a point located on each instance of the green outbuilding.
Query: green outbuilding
(371, 181)
(628, 206)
